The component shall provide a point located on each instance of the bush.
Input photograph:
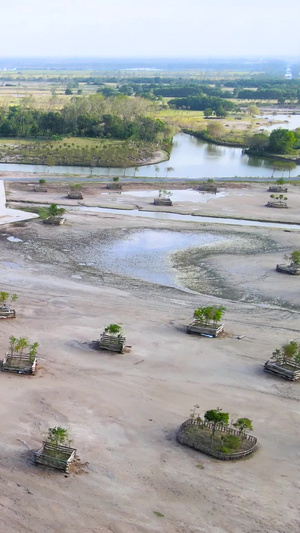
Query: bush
(230, 443)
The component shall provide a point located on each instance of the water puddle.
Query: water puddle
(10, 264)
(14, 239)
(159, 215)
(188, 195)
(146, 254)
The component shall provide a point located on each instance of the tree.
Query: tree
(217, 418)
(113, 329)
(163, 193)
(68, 91)
(253, 110)
(215, 129)
(208, 314)
(54, 211)
(288, 353)
(208, 112)
(295, 257)
(156, 170)
(5, 296)
(259, 141)
(281, 141)
(58, 436)
(243, 424)
(169, 169)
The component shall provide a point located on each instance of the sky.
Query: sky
(150, 28)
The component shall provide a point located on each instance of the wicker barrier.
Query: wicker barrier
(206, 187)
(23, 364)
(193, 442)
(75, 195)
(162, 201)
(278, 189)
(55, 456)
(289, 269)
(40, 189)
(112, 343)
(54, 221)
(7, 312)
(115, 186)
(276, 367)
(198, 328)
(278, 205)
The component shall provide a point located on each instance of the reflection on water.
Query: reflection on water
(184, 195)
(290, 122)
(145, 254)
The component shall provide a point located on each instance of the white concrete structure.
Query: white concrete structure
(11, 215)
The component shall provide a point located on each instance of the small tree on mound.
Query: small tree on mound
(280, 181)
(54, 211)
(42, 182)
(211, 314)
(7, 298)
(116, 179)
(217, 418)
(113, 329)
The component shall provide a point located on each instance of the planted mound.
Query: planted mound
(227, 443)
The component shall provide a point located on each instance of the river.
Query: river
(190, 158)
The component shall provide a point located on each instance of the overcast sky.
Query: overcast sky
(149, 28)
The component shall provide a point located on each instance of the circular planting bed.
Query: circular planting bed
(227, 443)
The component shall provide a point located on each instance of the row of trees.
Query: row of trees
(219, 106)
(93, 116)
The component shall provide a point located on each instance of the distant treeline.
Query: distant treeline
(93, 116)
(204, 103)
(267, 88)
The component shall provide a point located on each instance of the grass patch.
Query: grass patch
(43, 212)
(157, 513)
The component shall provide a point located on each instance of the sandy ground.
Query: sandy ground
(238, 201)
(123, 410)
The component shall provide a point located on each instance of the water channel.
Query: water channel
(190, 158)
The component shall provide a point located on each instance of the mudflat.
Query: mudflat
(123, 411)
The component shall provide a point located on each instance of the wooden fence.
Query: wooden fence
(183, 438)
(277, 368)
(112, 343)
(55, 456)
(24, 364)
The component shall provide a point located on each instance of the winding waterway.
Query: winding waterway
(190, 158)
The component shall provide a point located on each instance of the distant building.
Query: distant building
(288, 74)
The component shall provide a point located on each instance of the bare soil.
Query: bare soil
(123, 411)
